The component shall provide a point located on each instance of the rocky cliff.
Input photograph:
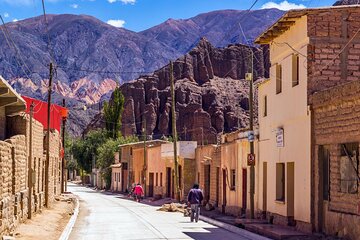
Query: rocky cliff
(211, 98)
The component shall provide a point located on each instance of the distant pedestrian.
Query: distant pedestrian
(195, 197)
(138, 192)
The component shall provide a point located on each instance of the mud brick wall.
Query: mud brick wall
(331, 61)
(21, 125)
(336, 114)
(19, 177)
(54, 165)
(189, 175)
(5, 187)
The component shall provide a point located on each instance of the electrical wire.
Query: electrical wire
(13, 45)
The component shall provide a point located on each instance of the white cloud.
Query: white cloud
(6, 15)
(15, 20)
(128, 1)
(285, 5)
(116, 23)
(132, 2)
(75, 6)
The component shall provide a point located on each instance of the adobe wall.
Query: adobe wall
(336, 114)
(13, 172)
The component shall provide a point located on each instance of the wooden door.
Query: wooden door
(223, 191)
(151, 184)
(244, 189)
(168, 182)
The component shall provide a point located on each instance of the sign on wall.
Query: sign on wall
(280, 137)
(251, 159)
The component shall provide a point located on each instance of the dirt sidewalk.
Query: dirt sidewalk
(50, 223)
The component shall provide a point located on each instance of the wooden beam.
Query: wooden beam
(5, 101)
(14, 109)
(3, 91)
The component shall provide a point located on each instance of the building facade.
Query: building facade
(310, 50)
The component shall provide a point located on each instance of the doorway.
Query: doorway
(290, 188)
(168, 182)
(151, 184)
(217, 185)
(323, 186)
(244, 189)
(223, 191)
(207, 182)
(264, 186)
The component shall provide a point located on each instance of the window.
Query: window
(157, 179)
(232, 179)
(161, 179)
(278, 78)
(349, 168)
(280, 182)
(265, 106)
(295, 70)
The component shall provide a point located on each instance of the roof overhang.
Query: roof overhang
(289, 19)
(10, 99)
(150, 143)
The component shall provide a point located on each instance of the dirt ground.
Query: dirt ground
(50, 223)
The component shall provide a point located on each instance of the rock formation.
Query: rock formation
(211, 98)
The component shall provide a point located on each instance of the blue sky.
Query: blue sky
(138, 15)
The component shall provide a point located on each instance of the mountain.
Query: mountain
(219, 27)
(210, 97)
(346, 2)
(91, 57)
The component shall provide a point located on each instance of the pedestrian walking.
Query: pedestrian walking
(195, 197)
(138, 192)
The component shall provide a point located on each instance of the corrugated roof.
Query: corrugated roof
(289, 19)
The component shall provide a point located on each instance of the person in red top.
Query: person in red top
(138, 192)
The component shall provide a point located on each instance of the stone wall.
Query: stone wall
(330, 60)
(336, 114)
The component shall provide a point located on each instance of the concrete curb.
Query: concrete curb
(66, 233)
(233, 229)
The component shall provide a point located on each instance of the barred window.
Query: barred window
(349, 168)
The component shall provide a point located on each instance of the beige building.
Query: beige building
(310, 50)
(159, 167)
(224, 174)
(284, 125)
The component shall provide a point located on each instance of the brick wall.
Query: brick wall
(330, 60)
(336, 114)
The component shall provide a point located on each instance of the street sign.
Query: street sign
(251, 136)
(280, 137)
(251, 159)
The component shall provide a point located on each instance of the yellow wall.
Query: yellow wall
(138, 164)
(288, 110)
(156, 165)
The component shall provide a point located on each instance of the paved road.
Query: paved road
(105, 216)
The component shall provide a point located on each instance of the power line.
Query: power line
(51, 53)
(17, 51)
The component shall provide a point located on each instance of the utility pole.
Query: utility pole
(63, 175)
(252, 166)
(30, 170)
(174, 133)
(47, 162)
(144, 168)
(185, 133)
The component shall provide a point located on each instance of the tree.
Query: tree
(106, 155)
(112, 113)
(84, 150)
